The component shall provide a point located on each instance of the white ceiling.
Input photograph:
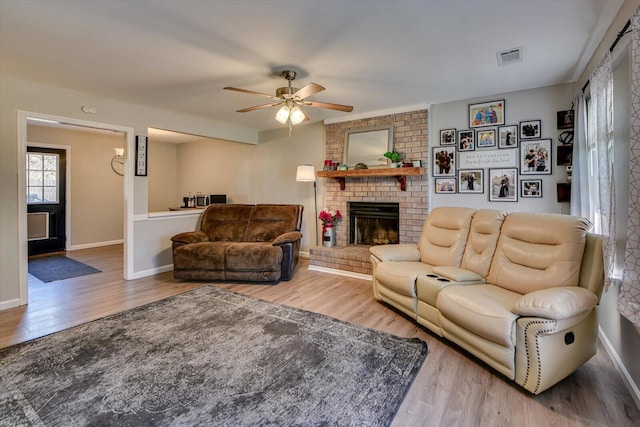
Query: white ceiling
(378, 56)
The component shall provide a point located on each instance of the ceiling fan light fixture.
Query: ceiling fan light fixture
(297, 116)
(283, 114)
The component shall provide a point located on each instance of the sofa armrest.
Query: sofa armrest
(288, 237)
(558, 303)
(190, 237)
(458, 275)
(397, 252)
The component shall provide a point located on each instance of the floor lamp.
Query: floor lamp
(307, 173)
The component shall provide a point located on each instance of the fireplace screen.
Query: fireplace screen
(373, 223)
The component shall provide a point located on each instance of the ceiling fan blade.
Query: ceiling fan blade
(307, 91)
(339, 107)
(250, 92)
(257, 107)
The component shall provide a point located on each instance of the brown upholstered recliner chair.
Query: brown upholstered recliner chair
(256, 243)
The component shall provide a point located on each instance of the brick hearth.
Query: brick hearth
(410, 138)
(354, 258)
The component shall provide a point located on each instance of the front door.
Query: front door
(46, 200)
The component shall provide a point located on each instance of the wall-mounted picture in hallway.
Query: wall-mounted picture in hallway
(535, 157)
(486, 114)
(471, 181)
(444, 161)
(503, 185)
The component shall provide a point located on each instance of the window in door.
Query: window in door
(42, 178)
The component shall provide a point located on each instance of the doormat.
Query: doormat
(58, 267)
(209, 357)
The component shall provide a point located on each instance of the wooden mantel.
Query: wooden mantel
(399, 173)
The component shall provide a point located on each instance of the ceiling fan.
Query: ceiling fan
(291, 99)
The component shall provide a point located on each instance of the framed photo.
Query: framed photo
(531, 129)
(508, 136)
(565, 119)
(531, 188)
(141, 155)
(448, 137)
(466, 140)
(565, 154)
(486, 138)
(503, 185)
(445, 185)
(486, 114)
(535, 157)
(444, 161)
(471, 181)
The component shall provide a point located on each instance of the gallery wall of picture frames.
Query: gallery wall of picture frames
(497, 157)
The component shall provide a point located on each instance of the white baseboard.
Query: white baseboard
(340, 272)
(622, 370)
(97, 244)
(151, 271)
(12, 303)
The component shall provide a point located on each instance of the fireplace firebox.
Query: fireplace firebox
(372, 223)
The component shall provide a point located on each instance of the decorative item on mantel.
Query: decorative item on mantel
(394, 156)
(329, 220)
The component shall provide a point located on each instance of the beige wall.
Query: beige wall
(96, 190)
(274, 170)
(163, 176)
(216, 166)
(17, 94)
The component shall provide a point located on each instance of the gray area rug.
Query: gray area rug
(209, 357)
(58, 267)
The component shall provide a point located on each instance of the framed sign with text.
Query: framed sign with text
(487, 159)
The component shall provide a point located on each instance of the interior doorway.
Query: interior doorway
(24, 118)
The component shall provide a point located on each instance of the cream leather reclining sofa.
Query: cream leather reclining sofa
(519, 290)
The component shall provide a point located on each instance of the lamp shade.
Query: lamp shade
(119, 152)
(297, 116)
(283, 114)
(306, 173)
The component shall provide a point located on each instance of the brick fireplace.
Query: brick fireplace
(411, 139)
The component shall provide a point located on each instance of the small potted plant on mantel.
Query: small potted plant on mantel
(394, 156)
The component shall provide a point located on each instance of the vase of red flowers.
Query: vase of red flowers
(329, 220)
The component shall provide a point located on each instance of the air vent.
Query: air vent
(509, 56)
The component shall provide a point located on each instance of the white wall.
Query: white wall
(533, 104)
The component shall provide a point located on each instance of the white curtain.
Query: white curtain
(629, 300)
(601, 135)
(580, 203)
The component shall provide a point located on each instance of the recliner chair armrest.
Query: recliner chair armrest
(558, 303)
(190, 237)
(458, 275)
(288, 237)
(397, 252)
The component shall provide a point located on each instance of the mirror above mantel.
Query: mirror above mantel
(368, 145)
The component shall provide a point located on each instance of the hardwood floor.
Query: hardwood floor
(452, 388)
